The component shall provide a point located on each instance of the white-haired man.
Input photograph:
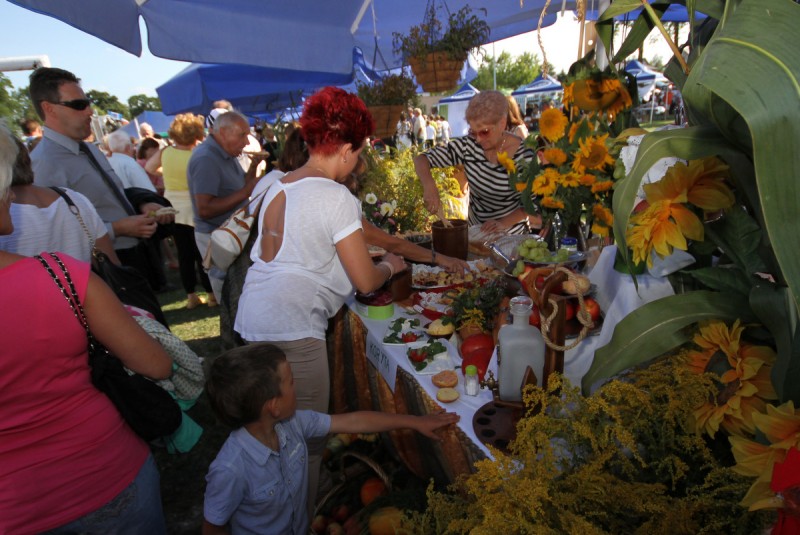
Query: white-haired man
(128, 170)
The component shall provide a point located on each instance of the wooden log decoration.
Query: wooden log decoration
(385, 118)
(437, 72)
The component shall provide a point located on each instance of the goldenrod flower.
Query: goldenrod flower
(744, 373)
(554, 156)
(550, 202)
(593, 154)
(781, 426)
(600, 186)
(552, 124)
(507, 162)
(546, 183)
(660, 227)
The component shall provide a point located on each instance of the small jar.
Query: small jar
(570, 244)
(471, 385)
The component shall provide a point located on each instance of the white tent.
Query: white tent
(456, 108)
(543, 88)
(646, 78)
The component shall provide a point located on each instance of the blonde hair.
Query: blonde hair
(187, 128)
(514, 117)
(487, 106)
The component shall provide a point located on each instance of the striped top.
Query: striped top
(490, 195)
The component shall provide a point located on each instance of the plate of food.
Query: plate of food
(402, 331)
(429, 357)
(434, 305)
(425, 277)
(535, 252)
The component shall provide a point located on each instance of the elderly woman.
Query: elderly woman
(493, 204)
(310, 252)
(186, 131)
(69, 462)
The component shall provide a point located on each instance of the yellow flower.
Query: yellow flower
(700, 182)
(573, 129)
(660, 227)
(592, 154)
(507, 162)
(550, 202)
(552, 124)
(744, 373)
(602, 185)
(546, 183)
(602, 214)
(588, 180)
(781, 426)
(520, 186)
(606, 95)
(554, 156)
(623, 100)
(599, 230)
(570, 180)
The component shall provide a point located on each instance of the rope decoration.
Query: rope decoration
(582, 314)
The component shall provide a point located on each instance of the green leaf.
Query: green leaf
(753, 64)
(658, 327)
(773, 305)
(723, 279)
(739, 236)
(641, 28)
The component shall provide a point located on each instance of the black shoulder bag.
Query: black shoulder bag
(147, 408)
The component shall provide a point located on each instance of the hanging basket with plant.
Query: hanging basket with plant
(386, 98)
(436, 58)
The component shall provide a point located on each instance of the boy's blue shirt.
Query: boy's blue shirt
(261, 491)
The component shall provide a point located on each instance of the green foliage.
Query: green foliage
(139, 103)
(392, 89)
(477, 305)
(393, 177)
(10, 108)
(624, 460)
(465, 31)
(105, 102)
(512, 72)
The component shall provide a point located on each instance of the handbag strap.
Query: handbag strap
(76, 212)
(72, 297)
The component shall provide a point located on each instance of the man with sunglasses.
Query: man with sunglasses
(63, 159)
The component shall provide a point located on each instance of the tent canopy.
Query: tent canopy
(646, 78)
(314, 35)
(544, 83)
(466, 92)
(158, 120)
(674, 13)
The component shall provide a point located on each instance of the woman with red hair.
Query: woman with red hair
(310, 252)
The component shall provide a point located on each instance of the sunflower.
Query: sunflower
(551, 202)
(552, 124)
(507, 162)
(606, 95)
(570, 180)
(520, 186)
(593, 154)
(599, 186)
(587, 180)
(623, 100)
(781, 427)
(546, 183)
(600, 230)
(745, 384)
(660, 227)
(554, 156)
(602, 214)
(700, 182)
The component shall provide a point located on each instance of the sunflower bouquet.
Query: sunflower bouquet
(576, 151)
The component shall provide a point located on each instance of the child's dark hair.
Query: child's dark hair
(242, 380)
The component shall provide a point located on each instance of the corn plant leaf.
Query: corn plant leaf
(660, 326)
(724, 279)
(773, 305)
(753, 64)
(738, 236)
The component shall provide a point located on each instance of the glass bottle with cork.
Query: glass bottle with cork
(520, 346)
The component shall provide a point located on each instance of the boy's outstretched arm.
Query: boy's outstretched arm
(374, 422)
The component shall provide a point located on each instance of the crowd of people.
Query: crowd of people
(69, 461)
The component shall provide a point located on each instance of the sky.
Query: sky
(104, 67)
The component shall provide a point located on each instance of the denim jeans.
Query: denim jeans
(134, 511)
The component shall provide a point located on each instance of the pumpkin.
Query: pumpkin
(371, 489)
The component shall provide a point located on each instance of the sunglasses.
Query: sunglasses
(78, 104)
(480, 133)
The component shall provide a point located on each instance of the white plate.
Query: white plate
(440, 362)
(401, 326)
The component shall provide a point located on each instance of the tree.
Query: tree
(9, 106)
(105, 102)
(140, 103)
(511, 72)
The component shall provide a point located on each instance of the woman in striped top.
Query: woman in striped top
(493, 204)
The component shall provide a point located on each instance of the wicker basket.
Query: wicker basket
(350, 474)
(385, 118)
(436, 72)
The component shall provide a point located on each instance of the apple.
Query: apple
(570, 309)
(341, 513)
(334, 528)
(319, 524)
(592, 307)
(535, 319)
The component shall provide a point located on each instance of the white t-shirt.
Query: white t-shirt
(130, 172)
(293, 296)
(54, 228)
(265, 182)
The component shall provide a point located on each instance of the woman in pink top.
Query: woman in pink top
(68, 461)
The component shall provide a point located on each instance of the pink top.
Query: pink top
(64, 449)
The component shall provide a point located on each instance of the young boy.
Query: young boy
(258, 482)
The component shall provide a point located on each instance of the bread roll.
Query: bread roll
(447, 395)
(445, 379)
